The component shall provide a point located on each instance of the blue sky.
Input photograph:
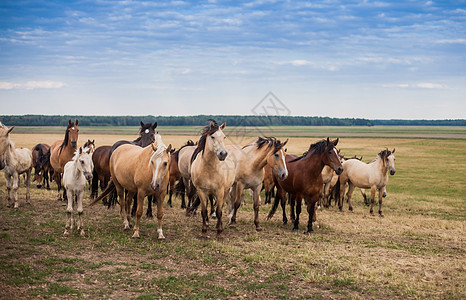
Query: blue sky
(356, 59)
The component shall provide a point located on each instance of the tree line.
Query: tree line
(201, 120)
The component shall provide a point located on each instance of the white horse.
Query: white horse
(75, 175)
(15, 162)
(371, 176)
(250, 162)
(212, 172)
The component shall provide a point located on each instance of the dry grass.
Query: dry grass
(416, 251)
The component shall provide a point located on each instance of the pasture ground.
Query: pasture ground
(416, 251)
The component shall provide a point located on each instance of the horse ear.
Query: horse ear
(80, 150)
(222, 126)
(286, 149)
(155, 125)
(77, 122)
(10, 129)
(335, 142)
(93, 141)
(285, 143)
(393, 151)
(69, 122)
(169, 148)
(328, 140)
(142, 124)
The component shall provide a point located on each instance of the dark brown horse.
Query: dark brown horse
(304, 179)
(41, 165)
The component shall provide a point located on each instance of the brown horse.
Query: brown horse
(175, 175)
(304, 179)
(41, 165)
(141, 171)
(62, 152)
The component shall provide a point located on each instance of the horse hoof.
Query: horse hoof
(295, 229)
(381, 215)
(135, 235)
(81, 233)
(259, 229)
(66, 233)
(309, 232)
(203, 237)
(150, 217)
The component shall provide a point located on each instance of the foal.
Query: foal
(75, 175)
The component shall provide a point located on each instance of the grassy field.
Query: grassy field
(416, 251)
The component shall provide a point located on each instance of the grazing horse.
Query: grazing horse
(304, 179)
(62, 152)
(250, 162)
(15, 163)
(367, 176)
(212, 172)
(75, 175)
(141, 171)
(41, 165)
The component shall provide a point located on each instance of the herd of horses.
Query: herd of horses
(206, 172)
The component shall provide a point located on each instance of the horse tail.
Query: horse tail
(109, 189)
(273, 209)
(180, 188)
(95, 184)
(336, 191)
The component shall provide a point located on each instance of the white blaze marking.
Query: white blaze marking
(218, 133)
(336, 152)
(73, 128)
(157, 164)
(147, 131)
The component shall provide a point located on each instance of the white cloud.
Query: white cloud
(452, 41)
(31, 85)
(421, 85)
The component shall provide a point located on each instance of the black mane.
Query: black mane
(206, 131)
(67, 136)
(316, 148)
(177, 152)
(270, 142)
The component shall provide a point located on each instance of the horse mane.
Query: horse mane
(316, 148)
(176, 153)
(67, 137)
(160, 148)
(270, 142)
(205, 132)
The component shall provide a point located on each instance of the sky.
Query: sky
(329, 58)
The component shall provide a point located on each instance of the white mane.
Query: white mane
(160, 148)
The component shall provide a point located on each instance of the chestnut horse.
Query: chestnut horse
(141, 171)
(367, 176)
(62, 152)
(250, 162)
(212, 172)
(304, 179)
(15, 163)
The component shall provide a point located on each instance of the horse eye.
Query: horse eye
(276, 155)
(82, 162)
(165, 164)
(212, 137)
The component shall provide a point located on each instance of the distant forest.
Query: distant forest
(201, 120)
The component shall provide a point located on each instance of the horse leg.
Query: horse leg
(342, 193)
(298, 212)
(140, 200)
(366, 201)
(159, 203)
(212, 207)
(235, 202)
(28, 182)
(373, 189)
(220, 198)
(69, 216)
(381, 192)
(8, 189)
(292, 200)
(46, 179)
(256, 199)
(149, 207)
(349, 194)
(121, 195)
(311, 212)
(203, 199)
(80, 225)
(325, 198)
(14, 189)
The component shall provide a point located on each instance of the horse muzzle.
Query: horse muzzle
(282, 175)
(339, 170)
(222, 155)
(73, 144)
(392, 172)
(154, 186)
(88, 176)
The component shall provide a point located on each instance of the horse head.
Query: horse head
(72, 131)
(160, 161)
(331, 156)
(276, 160)
(146, 134)
(84, 162)
(4, 138)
